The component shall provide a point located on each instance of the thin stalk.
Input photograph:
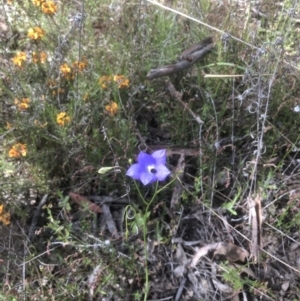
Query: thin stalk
(145, 242)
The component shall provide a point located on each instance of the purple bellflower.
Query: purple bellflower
(150, 168)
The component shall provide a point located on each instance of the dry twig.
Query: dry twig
(178, 96)
(179, 172)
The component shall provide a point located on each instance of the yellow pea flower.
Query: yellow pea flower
(49, 8)
(62, 118)
(19, 58)
(22, 104)
(18, 150)
(104, 81)
(112, 108)
(35, 33)
(38, 2)
(4, 216)
(122, 81)
(80, 65)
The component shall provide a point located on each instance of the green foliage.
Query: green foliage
(232, 275)
(7, 298)
(230, 205)
(80, 126)
(289, 217)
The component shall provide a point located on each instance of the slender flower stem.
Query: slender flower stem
(158, 191)
(145, 243)
(145, 230)
(136, 186)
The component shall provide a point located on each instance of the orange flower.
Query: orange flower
(35, 33)
(19, 58)
(49, 8)
(66, 71)
(18, 150)
(43, 57)
(8, 126)
(122, 81)
(23, 104)
(4, 216)
(62, 118)
(38, 2)
(112, 108)
(80, 65)
(39, 57)
(104, 81)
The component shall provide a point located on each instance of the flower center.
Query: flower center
(151, 169)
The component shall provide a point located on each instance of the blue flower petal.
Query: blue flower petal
(134, 171)
(160, 156)
(145, 159)
(147, 178)
(162, 172)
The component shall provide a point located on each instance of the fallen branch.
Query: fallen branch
(188, 58)
(186, 54)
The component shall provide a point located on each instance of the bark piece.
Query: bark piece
(229, 250)
(84, 202)
(196, 47)
(256, 223)
(188, 58)
(110, 222)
